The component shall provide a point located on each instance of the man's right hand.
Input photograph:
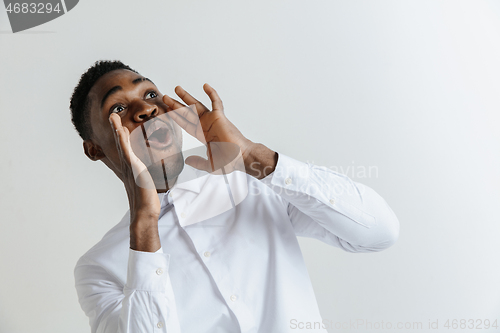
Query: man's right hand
(143, 200)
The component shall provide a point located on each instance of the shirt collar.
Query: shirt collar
(190, 179)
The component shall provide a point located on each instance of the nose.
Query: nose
(144, 111)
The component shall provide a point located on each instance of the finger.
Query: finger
(186, 97)
(188, 112)
(172, 103)
(199, 163)
(116, 125)
(124, 143)
(194, 130)
(214, 97)
(115, 121)
(122, 138)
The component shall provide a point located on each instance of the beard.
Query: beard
(165, 171)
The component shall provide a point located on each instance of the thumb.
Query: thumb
(199, 163)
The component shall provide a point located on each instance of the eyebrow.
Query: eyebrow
(118, 88)
(141, 79)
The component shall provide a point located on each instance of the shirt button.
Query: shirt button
(170, 194)
(288, 181)
(332, 201)
(233, 298)
(159, 271)
(159, 325)
(183, 215)
(207, 254)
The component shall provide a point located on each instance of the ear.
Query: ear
(92, 150)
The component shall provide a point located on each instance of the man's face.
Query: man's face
(139, 104)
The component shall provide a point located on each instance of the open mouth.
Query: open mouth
(157, 134)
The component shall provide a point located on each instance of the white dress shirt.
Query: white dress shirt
(238, 271)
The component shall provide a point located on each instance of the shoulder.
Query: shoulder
(113, 244)
(262, 192)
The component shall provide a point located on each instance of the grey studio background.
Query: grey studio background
(408, 88)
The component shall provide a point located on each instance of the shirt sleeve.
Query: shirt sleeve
(145, 303)
(330, 207)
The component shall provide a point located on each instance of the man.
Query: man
(240, 270)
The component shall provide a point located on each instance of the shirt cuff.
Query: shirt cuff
(147, 270)
(288, 173)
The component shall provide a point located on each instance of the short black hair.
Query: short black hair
(79, 104)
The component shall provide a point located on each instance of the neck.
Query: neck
(169, 184)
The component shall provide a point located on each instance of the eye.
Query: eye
(151, 94)
(116, 109)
